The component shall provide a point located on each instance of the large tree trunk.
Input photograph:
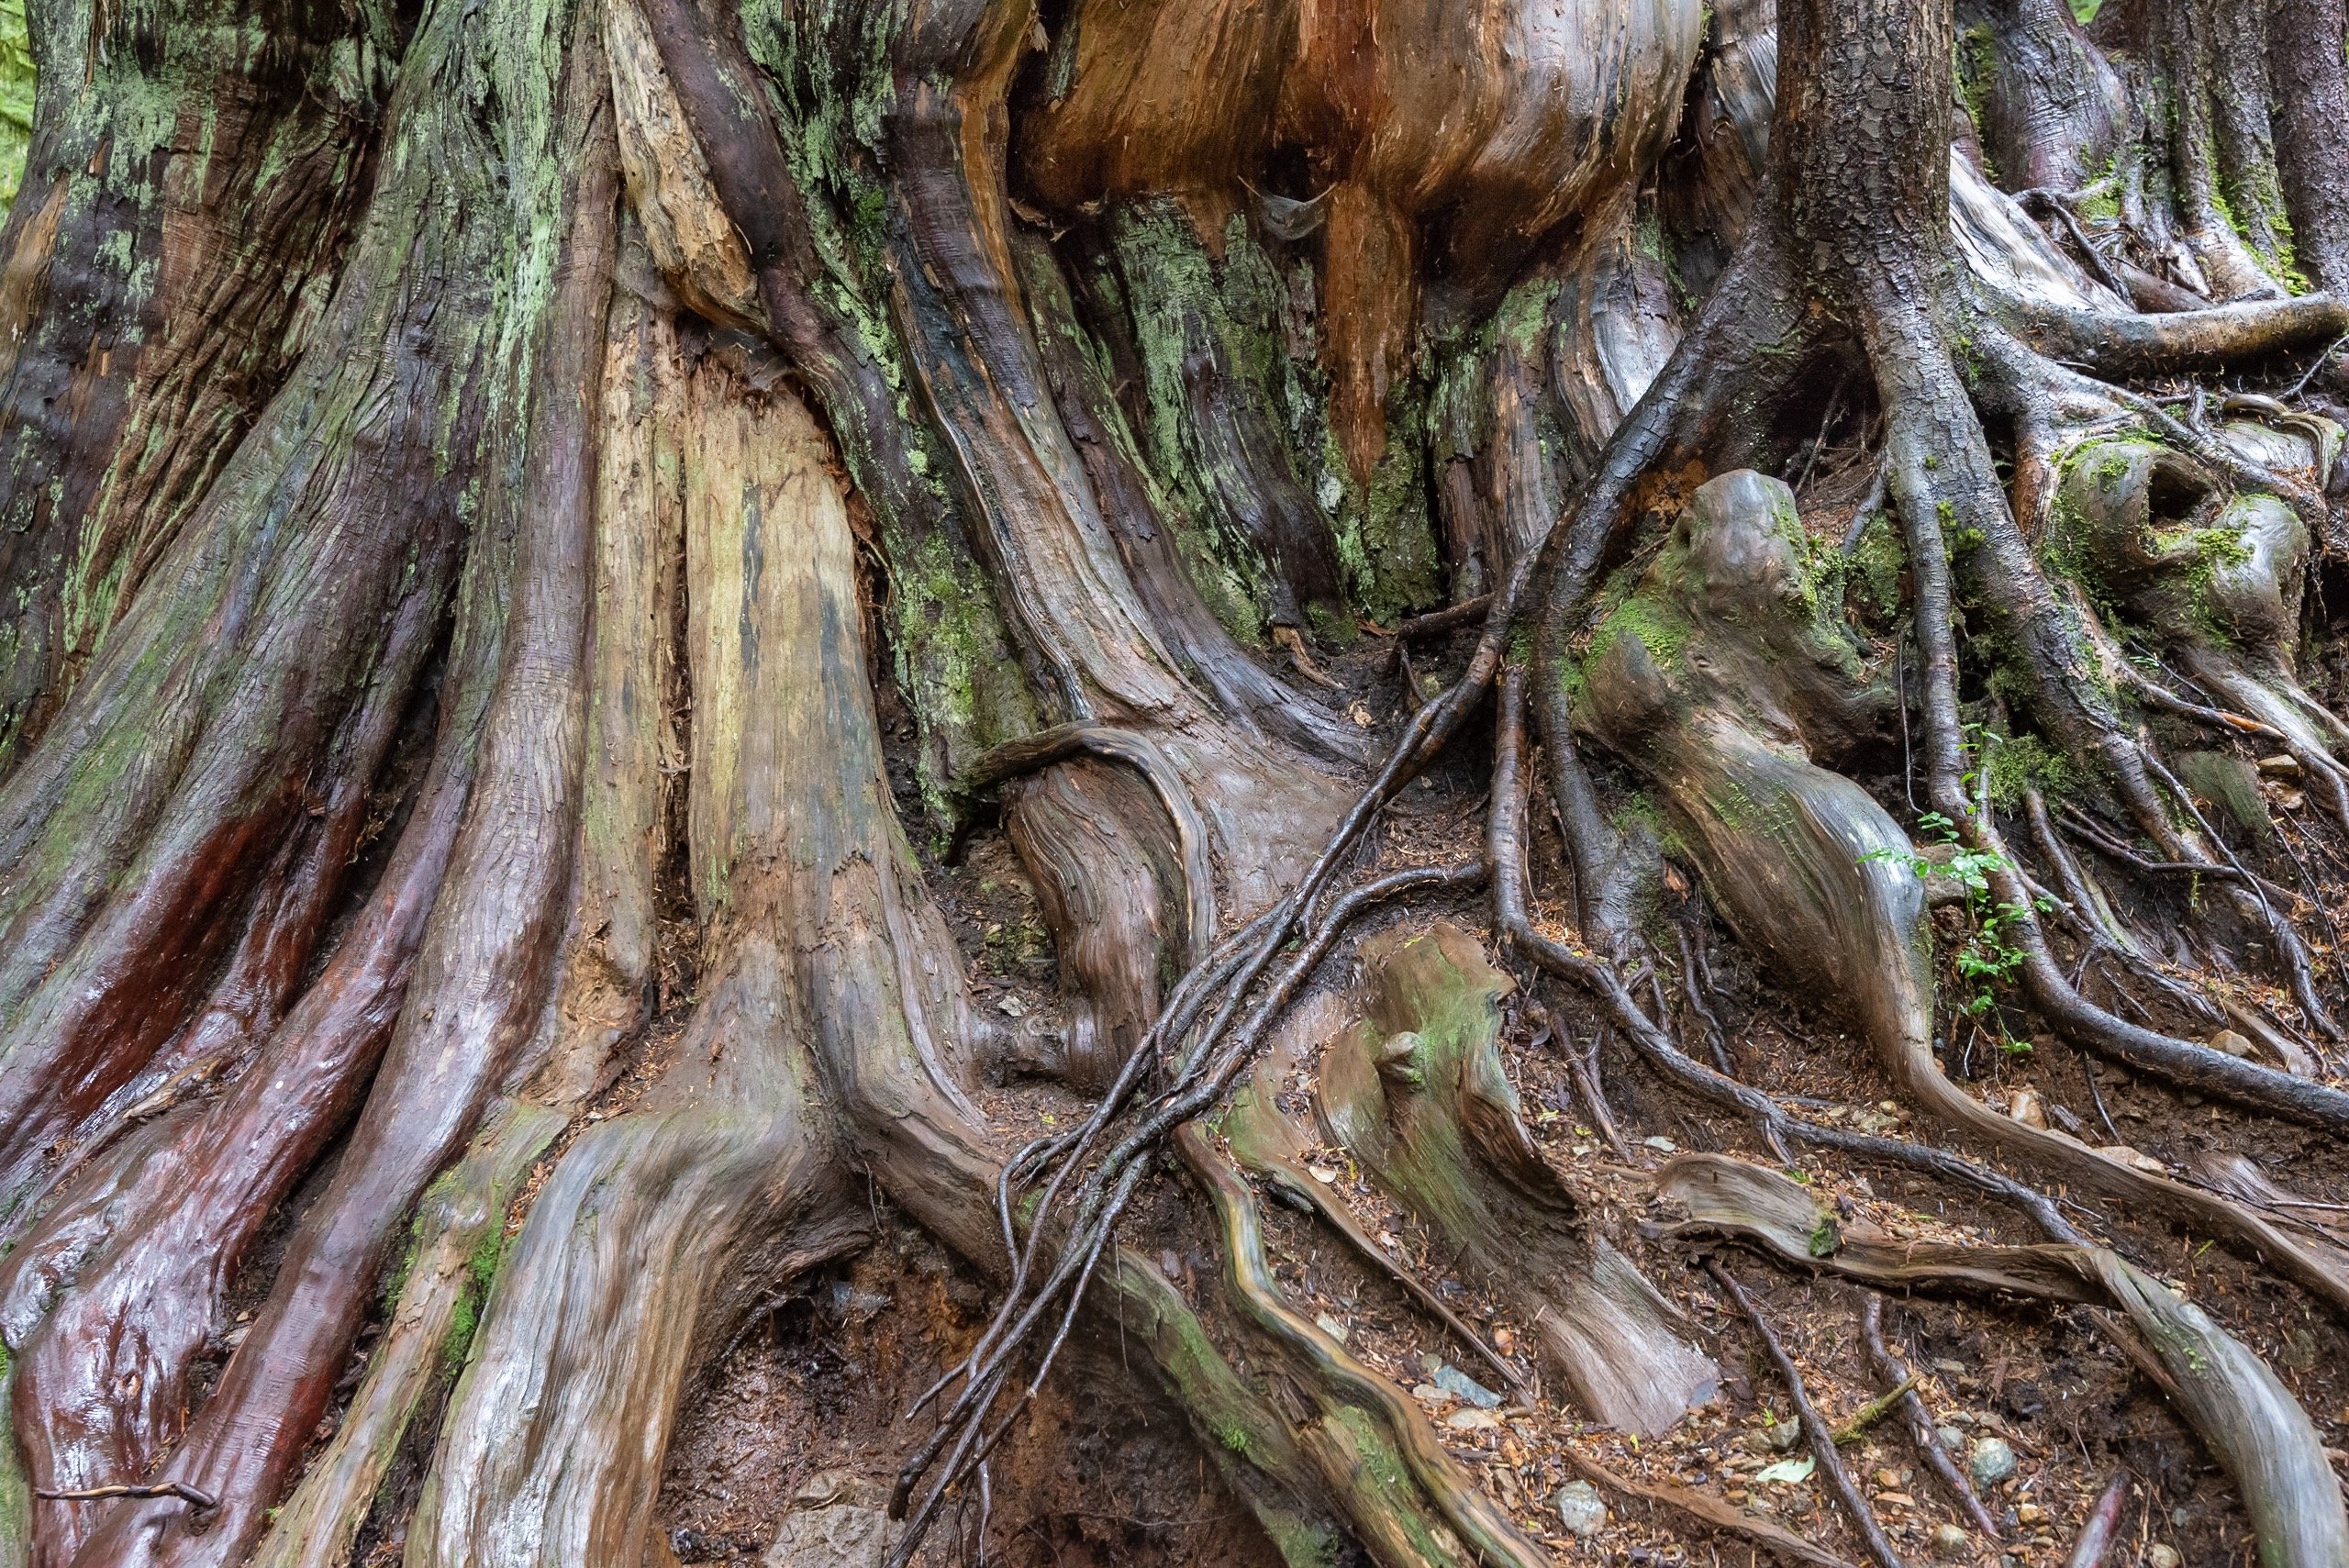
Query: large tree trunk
(536, 536)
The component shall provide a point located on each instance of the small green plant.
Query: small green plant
(1989, 958)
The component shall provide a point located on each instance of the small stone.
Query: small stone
(1949, 1366)
(1785, 1436)
(1458, 1384)
(1013, 1007)
(1888, 1479)
(1581, 1508)
(2283, 765)
(1989, 1460)
(1324, 1175)
(2026, 1108)
(2164, 1556)
(1472, 1421)
(1661, 1145)
(2030, 1514)
(1429, 1394)
(1952, 1438)
(1331, 1327)
(2230, 1042)
(854, 1305)
(1951, 1543)
(836, 1520)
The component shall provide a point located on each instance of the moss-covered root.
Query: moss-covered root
(16, 1490)
(2247, 1418)
(2214, 579)
(658, 1233)
(1250, 1443)
(1417, 1092)
(1410, 1503)
(459, 1245)
(1715, 679)
(1271, 1144)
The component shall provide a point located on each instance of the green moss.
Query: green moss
(2027, 762)
(1660, 626)
(1977, 67)
(1871, 572)
(2230, 784)
(1188, 313)
(15, 1492)
(2103, 202)
(1387, 546)
(17, 80)
(952, 662)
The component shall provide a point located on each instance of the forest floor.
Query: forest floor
(800, 1424)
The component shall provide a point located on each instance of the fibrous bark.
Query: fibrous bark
(516, 518)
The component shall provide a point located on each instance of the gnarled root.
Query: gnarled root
(1416, 1092)
(1406, 1498)
(1803, 863)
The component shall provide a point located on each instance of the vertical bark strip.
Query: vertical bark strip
(661, 1227)
(481, 974)
(195, 175)
(2309, 57)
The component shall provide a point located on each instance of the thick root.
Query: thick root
(1416, 1091)
(1407, 1499)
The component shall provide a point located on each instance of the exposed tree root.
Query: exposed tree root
(2250, 1421)
(1820, 1436)
(1922, 1436)
(1369, 1436)
(1416, 1092)
(1321, 307)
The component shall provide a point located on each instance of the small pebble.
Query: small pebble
(1331, 1327)
(2164, 1556)
(1581, 1508)
(1989, 1460)
(1785, 1436)
(1453, 1381)
(2031, 1514)
(2230, 1042)
(1661, 1145)
(1952, 1438)
(1951, 1543)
